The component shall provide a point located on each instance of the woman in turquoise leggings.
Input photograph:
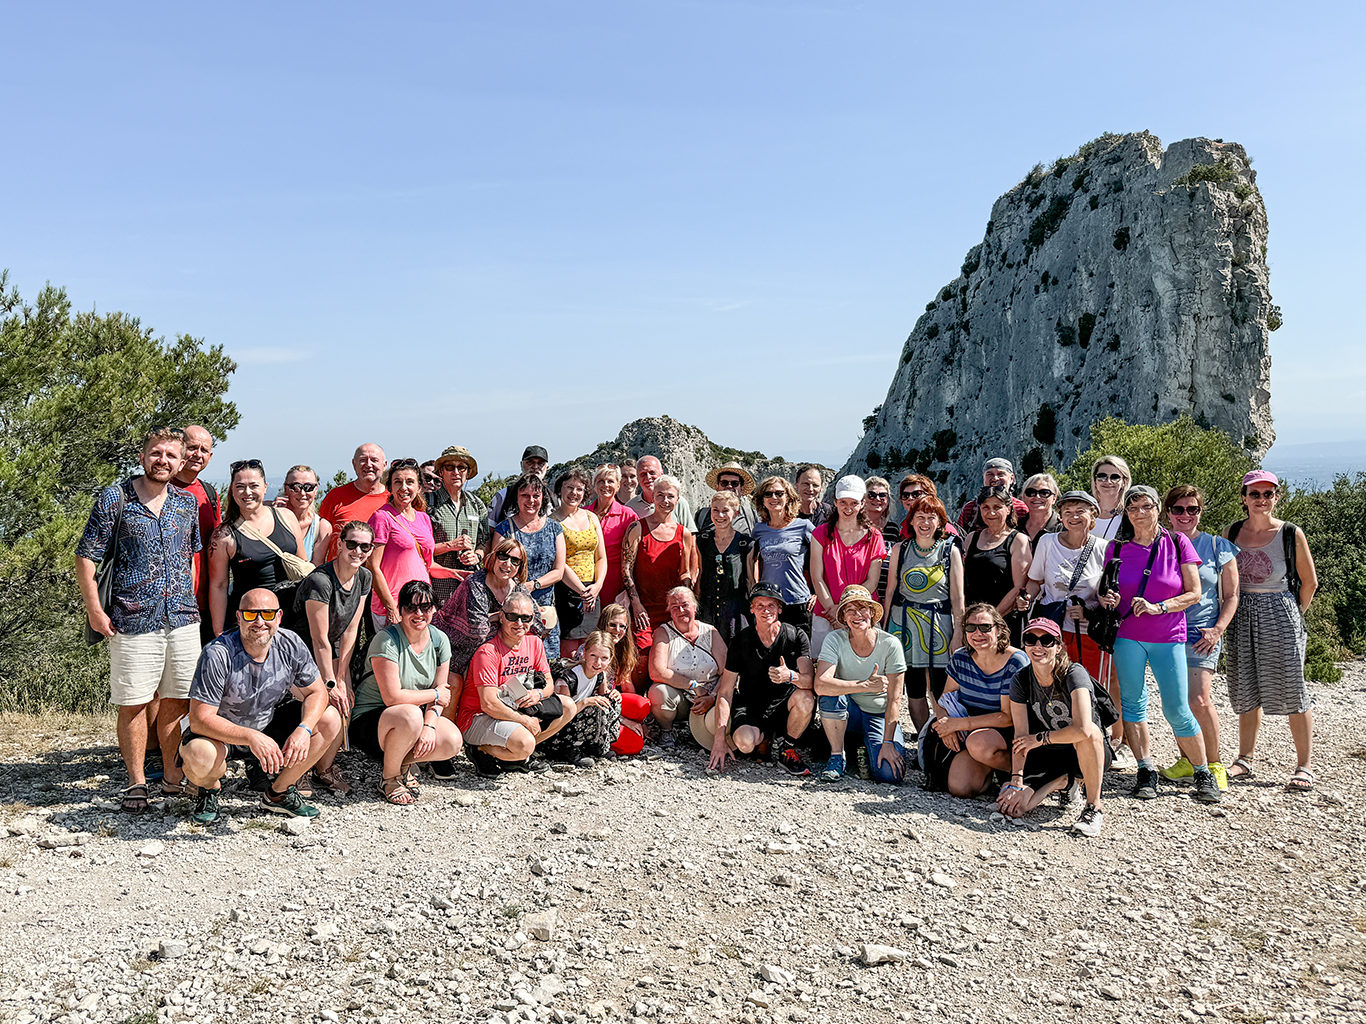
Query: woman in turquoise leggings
(1159, 578)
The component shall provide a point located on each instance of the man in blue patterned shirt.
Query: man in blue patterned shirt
(153, 623)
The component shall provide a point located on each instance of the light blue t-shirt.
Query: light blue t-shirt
(784, 557)
(1215, 553)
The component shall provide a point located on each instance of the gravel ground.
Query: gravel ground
(646, 890)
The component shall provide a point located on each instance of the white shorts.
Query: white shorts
(147, 665)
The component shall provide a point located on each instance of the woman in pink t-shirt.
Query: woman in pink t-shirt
(403, 542)
(844, 550)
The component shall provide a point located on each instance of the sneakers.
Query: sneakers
(1145, 788)
(1181, 769)
(257, 779)
(289, 803)
(1206, 787)
(1090, 821)
(484, 763)
(1123, 757)
(1070, 795)
(1220, 774)
(834, 769)
(206, 807)
(442, 769)
(865, 764)
(787, 756)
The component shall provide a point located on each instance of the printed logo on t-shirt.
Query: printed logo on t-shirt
(1254, 566)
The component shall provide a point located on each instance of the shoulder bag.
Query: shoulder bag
(296, 568)
(104, 572)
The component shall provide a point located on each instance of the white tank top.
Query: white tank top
(693, 660)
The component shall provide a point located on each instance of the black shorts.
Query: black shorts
(364, 734)
(769, 717)
(1051, 761)
(938, 757)
(283, 721)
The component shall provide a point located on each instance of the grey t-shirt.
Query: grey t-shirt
(783, 553)
(246, 692)
(322, 585)
(888, 658)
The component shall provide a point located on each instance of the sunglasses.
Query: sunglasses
(519, 617)
(508, 556)
(911, 495)
(1040, 640)
(303, 488)
(233, 467)
(421, 609)
(1110, 478)
(616, 627)
(251, 615)
(1184, 510)
(730, 483)
(363, 546)
(978, 627)
(1034, 492)
(775, 494)
(878, 496)
(1260, 495)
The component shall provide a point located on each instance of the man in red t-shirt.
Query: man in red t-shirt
(361, 498)
(198, 452)
(505, 710)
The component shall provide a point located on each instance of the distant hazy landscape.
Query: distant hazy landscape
(1316, 464)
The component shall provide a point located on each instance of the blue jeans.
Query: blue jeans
(871, 726)
(1168, 662)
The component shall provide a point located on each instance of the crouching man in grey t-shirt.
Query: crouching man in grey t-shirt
(238, 700)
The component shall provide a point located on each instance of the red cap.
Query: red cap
(1044, 625)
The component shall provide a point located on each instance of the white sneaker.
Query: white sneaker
(1123, 757)
(1090, 821)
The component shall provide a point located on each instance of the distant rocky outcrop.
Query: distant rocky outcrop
(1125, 280)
(685, 452)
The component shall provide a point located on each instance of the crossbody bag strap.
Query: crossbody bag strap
(255, 534)
(1082, 559)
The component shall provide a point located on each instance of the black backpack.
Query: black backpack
(1289, 533)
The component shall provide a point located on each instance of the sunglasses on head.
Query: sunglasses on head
(1259, 495)
(1184, 510)
(1035, 492)
(404, 464)
(1040, 640)
(303, 488)
(233, 467)
(508, 556)
(363, 546)
(252, 614)
(1110, 478)
(978, 627)
(519, 617)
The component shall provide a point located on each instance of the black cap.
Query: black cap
(765, 589)
(535, 451)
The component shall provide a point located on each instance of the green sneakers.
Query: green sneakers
(1181, 769)
(206, 807)
(289, 803)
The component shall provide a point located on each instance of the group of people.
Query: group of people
(584, 617)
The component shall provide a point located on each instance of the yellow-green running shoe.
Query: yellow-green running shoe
(1220, 774)
(1182, 769)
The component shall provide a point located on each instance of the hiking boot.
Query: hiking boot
(1145, 788)
(257, 779)
(485, 764)
(1090, 821)
(289, 803)
(206, 807)
(1207, 787)
(1181, 769)
(834, 769)
(787, 756)
(1220, 774)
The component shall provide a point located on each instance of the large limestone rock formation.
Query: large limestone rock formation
(1125, 280)
(685, 452)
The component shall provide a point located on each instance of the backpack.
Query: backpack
(1289, 533)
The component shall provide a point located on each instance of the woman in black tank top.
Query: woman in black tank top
(995, 573)
(239, 562)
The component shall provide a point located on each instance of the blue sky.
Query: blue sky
(496, 225)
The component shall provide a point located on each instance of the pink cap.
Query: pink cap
(1043, 625)
(1260, 476)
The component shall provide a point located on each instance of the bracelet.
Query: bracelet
(430, 726)
(305, 728)
(1015, 789)
(791, 676)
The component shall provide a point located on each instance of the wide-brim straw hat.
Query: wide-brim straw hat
(855, 595)
(458, 453)
(747, 487)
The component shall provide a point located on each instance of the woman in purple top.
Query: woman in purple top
(1152, 633)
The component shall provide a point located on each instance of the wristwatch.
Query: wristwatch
(331, 684)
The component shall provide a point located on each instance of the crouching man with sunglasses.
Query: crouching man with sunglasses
(1058, 734)
(329, 606)
(238, 708)
(508, 704)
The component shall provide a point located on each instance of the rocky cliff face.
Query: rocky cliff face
(686, 453)
(1126, 280)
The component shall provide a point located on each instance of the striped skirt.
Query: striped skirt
(1264, 655)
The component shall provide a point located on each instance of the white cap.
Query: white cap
(850, 487)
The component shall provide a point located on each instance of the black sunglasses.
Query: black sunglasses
(775, 494)
(730, 482)
(421, 609)
(911, 495)
(1040, 640)
(878, 495)
(978, 627)
(363, 546)
(303, 488)
(233, 467)
(1034, 492)
(518, 616)
(1259, 495)
(508, 556)
(1184, 510)
(1112, 478)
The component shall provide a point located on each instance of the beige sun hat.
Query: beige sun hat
(747, 487)
(458, 453)
(853, 595)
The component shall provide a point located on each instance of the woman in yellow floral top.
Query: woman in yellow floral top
(576, 595)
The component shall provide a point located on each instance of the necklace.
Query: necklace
(923, 552)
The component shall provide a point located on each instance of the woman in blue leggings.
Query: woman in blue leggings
(1152, 634)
